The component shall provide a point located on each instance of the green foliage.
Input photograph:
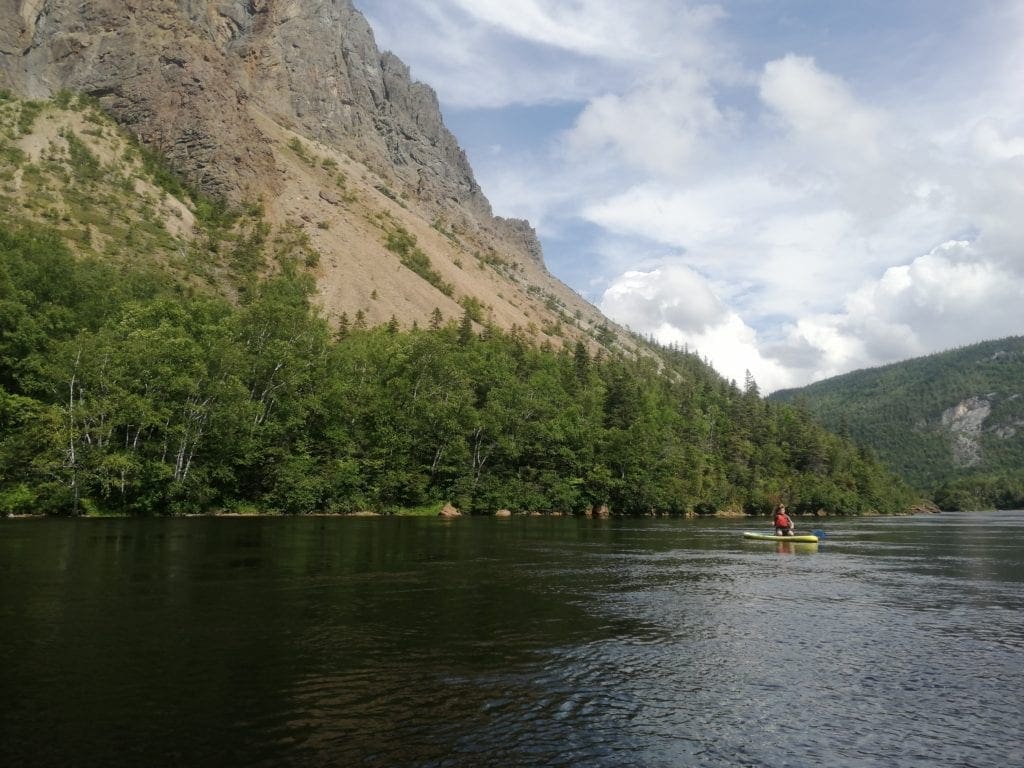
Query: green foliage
(1003, 490)
(605, 336)
(161, 173)
(11, 155)
(167, 405)
(99, 210)
(212, 213)
(17, 500)
(27, 115)
(474, 308)
(448, 232)
(85, 165)
(898, 410)
(403, 243)
(64, 98)
(296, 146)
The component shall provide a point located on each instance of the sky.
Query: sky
(792, 188)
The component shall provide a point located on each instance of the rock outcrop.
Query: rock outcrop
(154, 69)
(449, 512)
(186, 77)
(964, 422)
(521, 234)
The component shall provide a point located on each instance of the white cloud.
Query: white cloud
(603, 28)
(948, 297)
(673, 296)
(993, 146)
(583, 27)
(656, 127)
(494, 53)
(680, 217)
(675, 305)
(774, 247)
(820, 111)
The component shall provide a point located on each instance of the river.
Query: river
(521, 642)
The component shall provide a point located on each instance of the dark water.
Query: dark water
(524, 642)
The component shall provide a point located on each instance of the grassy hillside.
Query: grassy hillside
(950, 423)
(66, 165)
(370, 251)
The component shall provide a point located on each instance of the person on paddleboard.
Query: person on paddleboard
(782, 522)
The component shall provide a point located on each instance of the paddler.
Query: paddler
(782, 522)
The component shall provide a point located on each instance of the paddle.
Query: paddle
(819, 533)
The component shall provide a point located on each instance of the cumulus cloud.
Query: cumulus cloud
(673, 296)
(948, 297)
(656, 127)
(676, 305)
(821, 111)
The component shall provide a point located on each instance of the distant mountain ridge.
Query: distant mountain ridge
(945, 421)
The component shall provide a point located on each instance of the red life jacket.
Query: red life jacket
(782, 520)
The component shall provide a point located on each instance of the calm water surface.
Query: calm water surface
(523, 642)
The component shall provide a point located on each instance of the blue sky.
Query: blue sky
(791, 187)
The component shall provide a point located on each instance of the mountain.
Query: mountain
(951, 423)
(291, 106)
(245, 267)
(160, 353)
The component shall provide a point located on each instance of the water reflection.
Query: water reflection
(512, 643)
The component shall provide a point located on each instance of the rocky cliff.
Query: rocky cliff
(290, 105)
(188, 77)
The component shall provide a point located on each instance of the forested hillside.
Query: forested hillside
(161, 352)
(123, 394)
(951, 424)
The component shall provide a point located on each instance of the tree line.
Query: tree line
(121, 391)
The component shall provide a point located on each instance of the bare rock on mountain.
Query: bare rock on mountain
(153, 68)
(964, 422)
(186, 76)
(317, 64)
(521, 234)
(292, 104)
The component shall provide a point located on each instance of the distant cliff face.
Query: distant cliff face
(187, 75)
(964, 422)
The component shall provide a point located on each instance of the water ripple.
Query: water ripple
(576, 643)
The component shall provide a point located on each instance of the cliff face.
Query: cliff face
(186, 77)
(316, 63)
(289, 103)
(155, 68)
